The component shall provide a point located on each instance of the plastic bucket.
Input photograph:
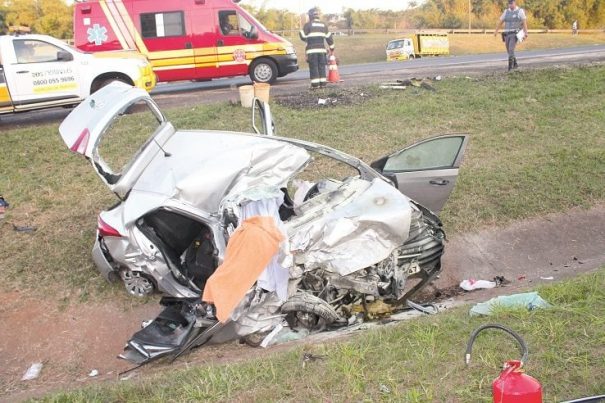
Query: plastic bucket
(246, 95)
(261, 91)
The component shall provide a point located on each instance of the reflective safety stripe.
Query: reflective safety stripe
(316, 80)
(302, 34)
(322, 50)
(317, 34)
(323, 80)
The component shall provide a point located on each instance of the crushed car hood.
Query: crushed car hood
(205, 167)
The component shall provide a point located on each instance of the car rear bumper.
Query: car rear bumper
(100, 260)
(286, 64)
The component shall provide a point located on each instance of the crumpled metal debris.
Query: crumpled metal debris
(425, 83)
(24, 228)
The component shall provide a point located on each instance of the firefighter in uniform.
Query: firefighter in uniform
(514, 20)
(314, 33)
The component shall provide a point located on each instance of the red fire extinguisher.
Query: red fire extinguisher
(512, 385)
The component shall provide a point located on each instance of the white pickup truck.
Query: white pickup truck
(38, 71)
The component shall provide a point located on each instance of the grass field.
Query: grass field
(365, 48)
(416, 361)
(536, 147)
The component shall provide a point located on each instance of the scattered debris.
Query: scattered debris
(392, 86)
(323, 98)
(438, 78)
(547, 278)
(384, 389)
(311, 357)
(529, 300)
(429, 309)
(425, 83)
(520, 278)
(501, 281)
(3, 206)
(326, 101)
(25, 228)
(93, 373)
(472, 284)
(32, 372)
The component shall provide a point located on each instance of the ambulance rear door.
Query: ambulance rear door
(204, 39)
(43, 73)
(166, 36)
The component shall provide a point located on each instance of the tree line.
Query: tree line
(51, 17)
(449, 14)
(54, 17)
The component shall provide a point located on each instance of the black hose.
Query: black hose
(469, 346)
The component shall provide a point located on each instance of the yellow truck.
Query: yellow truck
(418, 45)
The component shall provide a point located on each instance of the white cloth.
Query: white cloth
(274, 277)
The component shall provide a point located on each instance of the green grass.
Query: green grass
(536, 147)
(415, 361)
(366, 48)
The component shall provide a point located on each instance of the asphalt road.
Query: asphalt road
(189, 93)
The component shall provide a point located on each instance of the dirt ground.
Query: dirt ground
(73, 341)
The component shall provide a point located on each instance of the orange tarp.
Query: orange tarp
(248, 253)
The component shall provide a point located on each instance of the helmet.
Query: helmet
(314, 12)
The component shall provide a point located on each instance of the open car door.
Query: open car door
(426, 171)
(119, 129)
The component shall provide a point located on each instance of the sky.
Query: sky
(329, 6)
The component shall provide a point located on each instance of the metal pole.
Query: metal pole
(469, 16)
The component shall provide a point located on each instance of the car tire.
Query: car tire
(137, 283)
(98, 84)
(263, 71)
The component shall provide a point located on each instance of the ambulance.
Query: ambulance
(186, 39)
(39, 71)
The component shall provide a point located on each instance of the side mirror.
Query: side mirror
(264, 112)
(253, 32)
(64, 56)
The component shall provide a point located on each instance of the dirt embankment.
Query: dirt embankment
(71, 342)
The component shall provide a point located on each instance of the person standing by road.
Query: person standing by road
(314, 33)
(574, 27)
(514, 20)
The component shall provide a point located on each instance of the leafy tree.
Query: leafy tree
(50, 17)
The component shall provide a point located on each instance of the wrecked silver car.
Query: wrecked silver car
(240, 232)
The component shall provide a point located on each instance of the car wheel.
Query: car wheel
(98, 84)
(263, 71)
(137, 283)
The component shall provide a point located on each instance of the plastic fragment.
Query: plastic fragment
(472, 284)
(93, 373)
(529, 300)
(32, 372)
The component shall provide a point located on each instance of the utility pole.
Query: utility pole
(469, 16)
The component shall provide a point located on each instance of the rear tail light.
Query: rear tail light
(79, 146)
(106, 230)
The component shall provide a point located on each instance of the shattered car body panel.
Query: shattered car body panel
(184, 194)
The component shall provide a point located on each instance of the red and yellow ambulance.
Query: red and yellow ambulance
(185, 39)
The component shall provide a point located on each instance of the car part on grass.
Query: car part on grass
(354, 240)
(512, 385)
